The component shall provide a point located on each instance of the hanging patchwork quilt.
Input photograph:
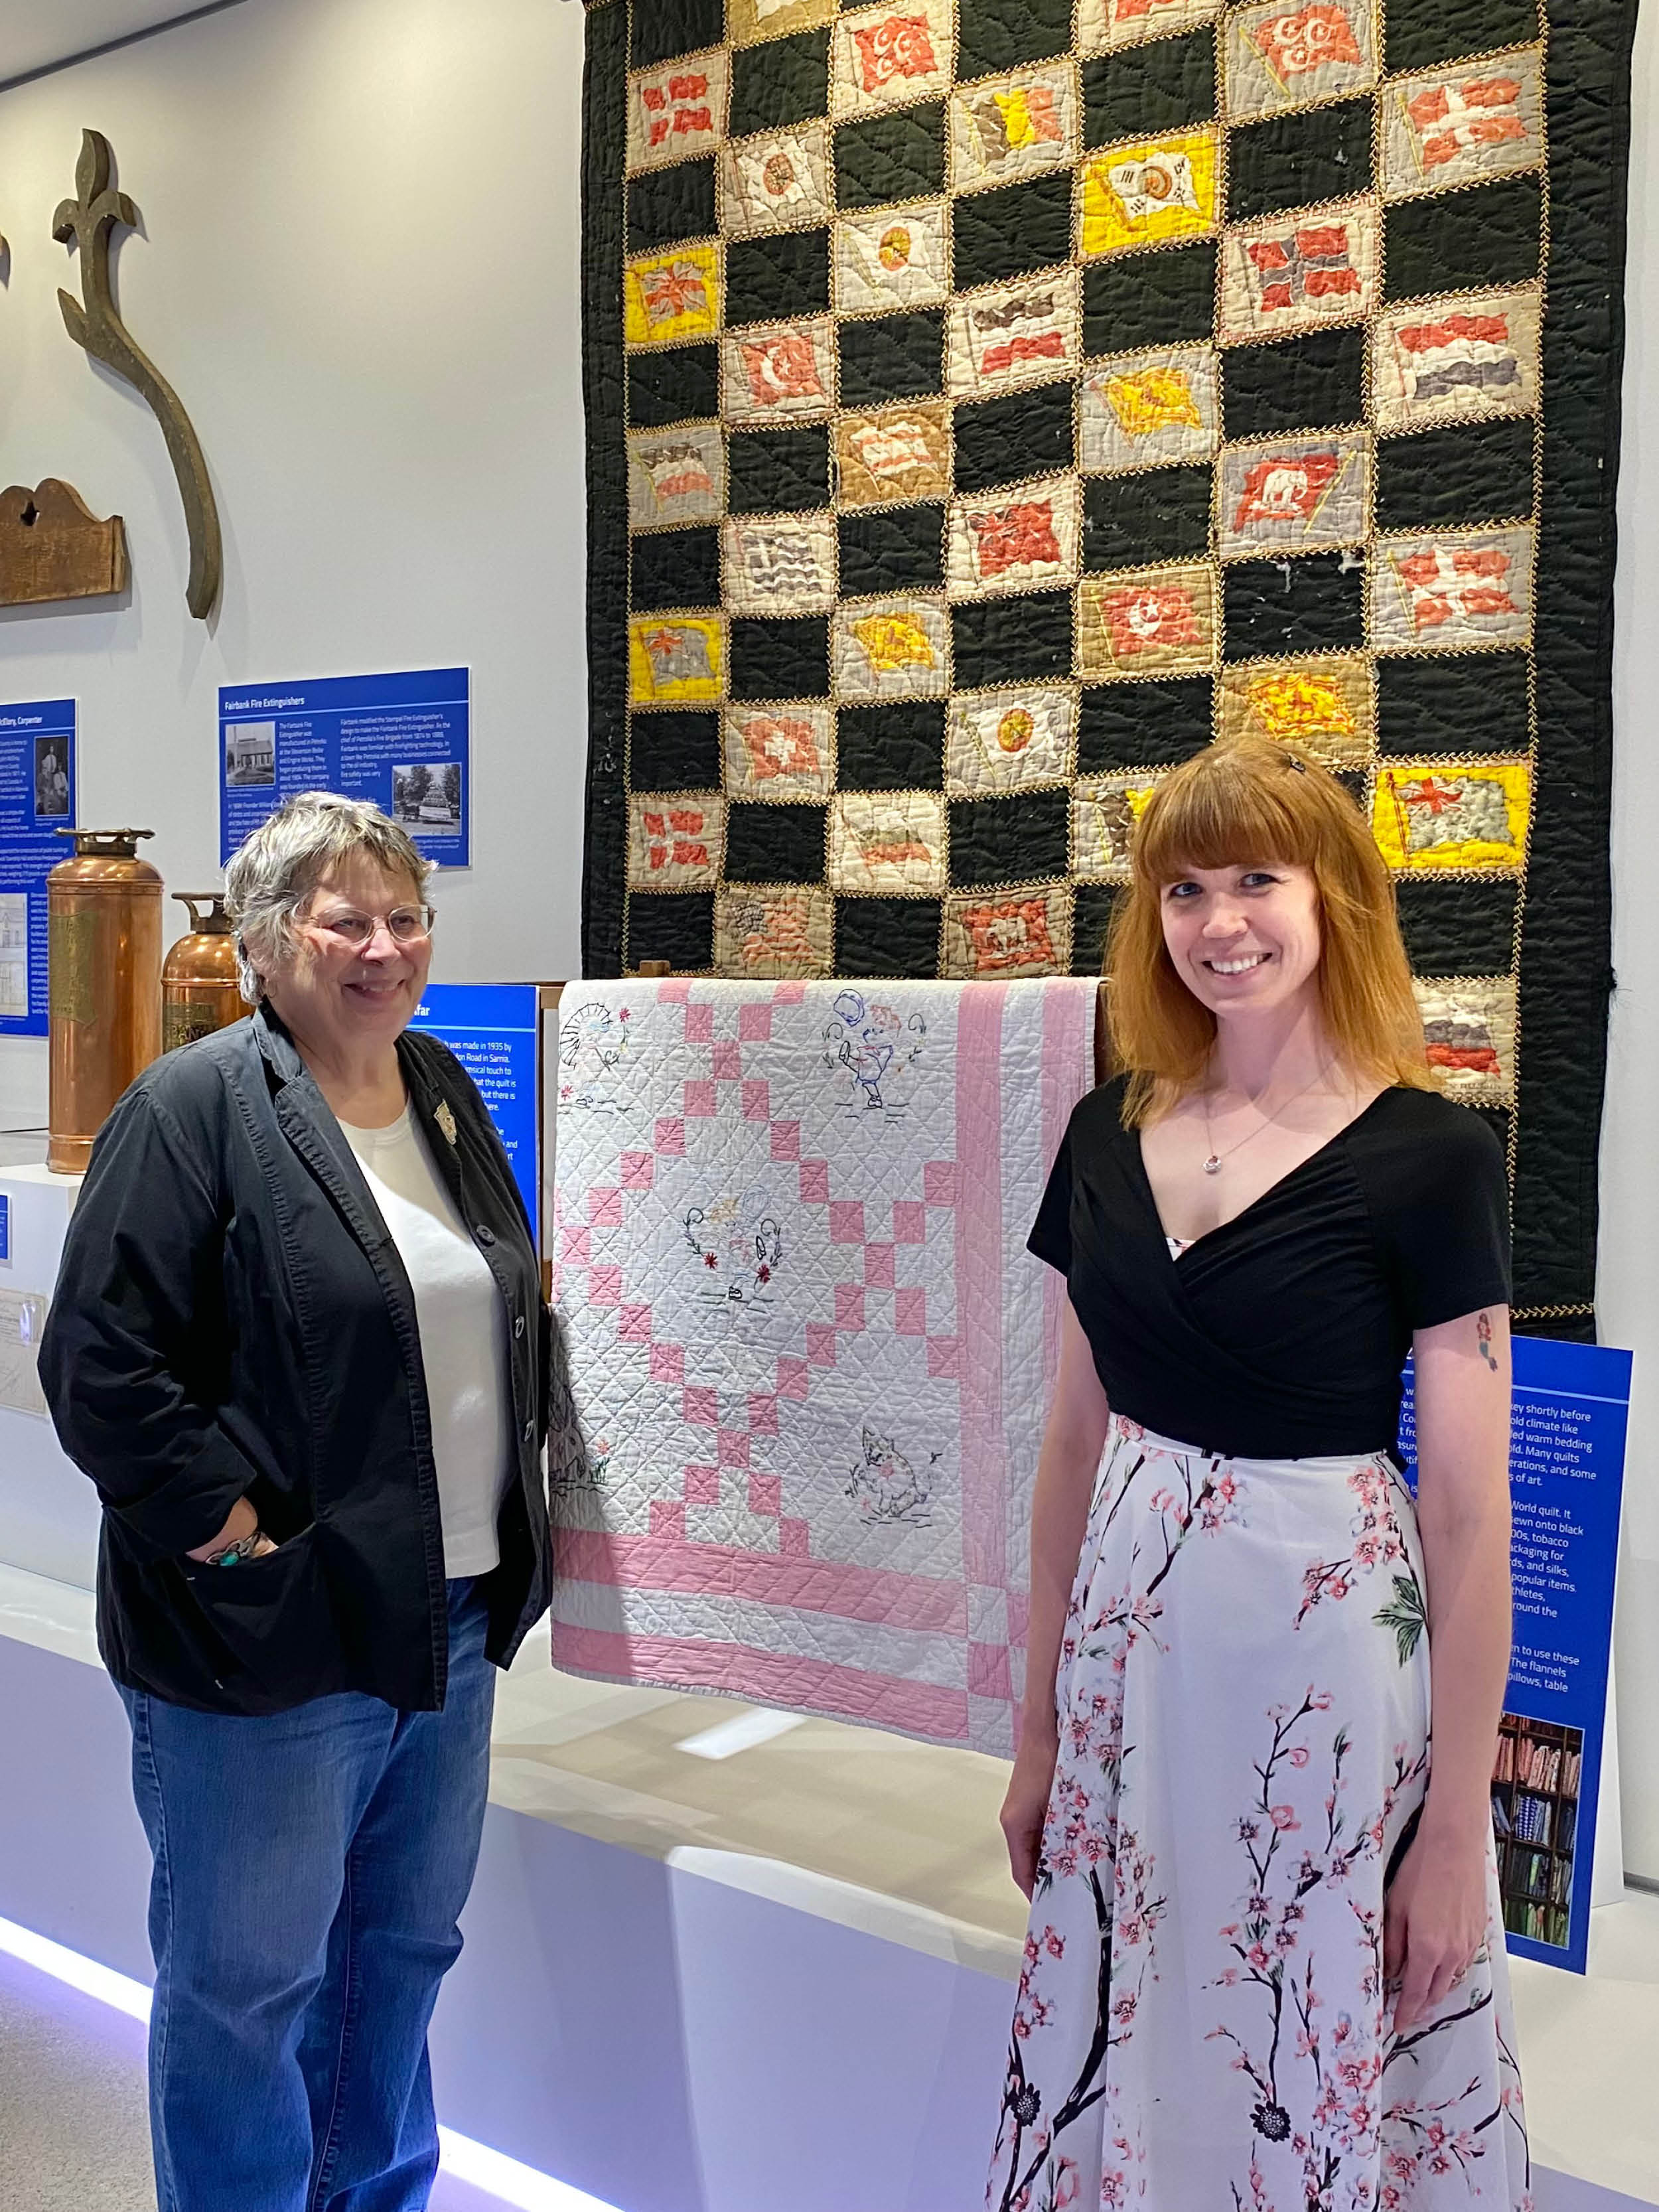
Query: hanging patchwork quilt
(990, 404)
(810, 1356)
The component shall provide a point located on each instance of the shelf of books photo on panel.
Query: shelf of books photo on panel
(1534, 1803)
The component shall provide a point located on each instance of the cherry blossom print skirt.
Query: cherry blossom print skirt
(1201, 2024)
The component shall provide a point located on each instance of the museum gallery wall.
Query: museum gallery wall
(988, 408)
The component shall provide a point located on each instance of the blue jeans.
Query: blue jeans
(310, 1868)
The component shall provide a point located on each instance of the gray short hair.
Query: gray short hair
(283, 862)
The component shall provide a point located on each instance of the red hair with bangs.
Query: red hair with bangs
(1251, 801)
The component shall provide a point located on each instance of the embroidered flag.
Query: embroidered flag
(1452, 120)
(1289, 487)
(1009, 539)
(1154, 183)
(892, 449)
(678, 655)
(1136, 11)
(1461, 1040)
(1024, 117)
(1143, 617)
(1152, 399)
(1009, 933)
(892, 642)
(1308, 263)
(1295, 44)
(892, 849)
(782, 562)
(678, 111)
(677, 289)
(1298, 706)
(678, 839)
(1024, 328)
(1451, 809)
(1455, 353)
(781, 367)
(898, 46)
(772, 175)
(677, 471)
(778, 744)
(1457, 583)
(775, 930)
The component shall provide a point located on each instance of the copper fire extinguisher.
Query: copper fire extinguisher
(199, 990)
(103, 984)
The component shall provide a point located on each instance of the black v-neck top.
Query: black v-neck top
(1282, 1333)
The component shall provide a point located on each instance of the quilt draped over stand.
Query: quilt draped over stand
(810, 1356)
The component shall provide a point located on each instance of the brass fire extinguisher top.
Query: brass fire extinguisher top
(103, 965)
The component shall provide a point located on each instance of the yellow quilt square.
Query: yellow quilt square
(674, 657)
(673, 296)
(1149, 191)
(1459, 814)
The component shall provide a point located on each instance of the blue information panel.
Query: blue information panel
(37, 799)
(1566, 1473)
(493, 1030)
(5, 1229)
(404, 741)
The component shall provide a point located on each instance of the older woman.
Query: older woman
(299, 1345)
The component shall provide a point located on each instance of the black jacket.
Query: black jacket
(233, 1317)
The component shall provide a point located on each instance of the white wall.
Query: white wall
(359, 271)
(1628, 1287)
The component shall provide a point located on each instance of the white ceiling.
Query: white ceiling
(33, 33)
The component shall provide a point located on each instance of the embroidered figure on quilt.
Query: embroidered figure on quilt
(871, 1042)
(740, 1243)
(583, 1470)
(887, 1486)
(593, 1043)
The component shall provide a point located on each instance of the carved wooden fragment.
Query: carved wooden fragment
(52, 546)
(96, 324)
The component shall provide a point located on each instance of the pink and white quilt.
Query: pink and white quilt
(810, 1356)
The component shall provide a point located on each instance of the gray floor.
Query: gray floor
(73, 2134)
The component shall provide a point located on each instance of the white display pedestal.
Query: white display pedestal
(48, 1509)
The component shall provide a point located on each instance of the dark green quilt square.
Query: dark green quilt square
(1294, 161)
(899, 747)
(777, 470)
(1029, 434)
(666, 205)
(891, 358)
(662, 29)
(674, 569)
(785, 81)
(1313, 605)
(677, 926)
(1300, 384)
(769, 279)
(1461, 239)
(999, 235)
(999, 34)
(1001, 841)
(1158, 514)
(1452, 703)
(1470, 472)
(1149, 299)
(890, 157)
(674, 750)
(1161, 86)
(1143, 724)
(774, 844)
(1418, 33)
(887, 937)
(1011, 641)
(1457, 929)
(893, 549)
(678, 385)
(1091, 918)
(780, 656)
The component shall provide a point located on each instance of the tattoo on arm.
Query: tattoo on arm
(1483, 1333)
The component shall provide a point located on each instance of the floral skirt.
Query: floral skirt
(1201, 2024)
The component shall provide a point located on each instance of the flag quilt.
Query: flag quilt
(809, 1354)
(990, 403)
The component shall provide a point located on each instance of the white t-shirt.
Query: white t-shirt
(463, 1324)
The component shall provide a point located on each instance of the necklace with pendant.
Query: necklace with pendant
(1212, 1164)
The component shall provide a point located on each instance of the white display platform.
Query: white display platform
(707, 2032)
(48, 1509)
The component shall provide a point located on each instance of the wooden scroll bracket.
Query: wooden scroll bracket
(87, 221)
(52, 546)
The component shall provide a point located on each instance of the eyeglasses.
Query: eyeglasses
(405, 925)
